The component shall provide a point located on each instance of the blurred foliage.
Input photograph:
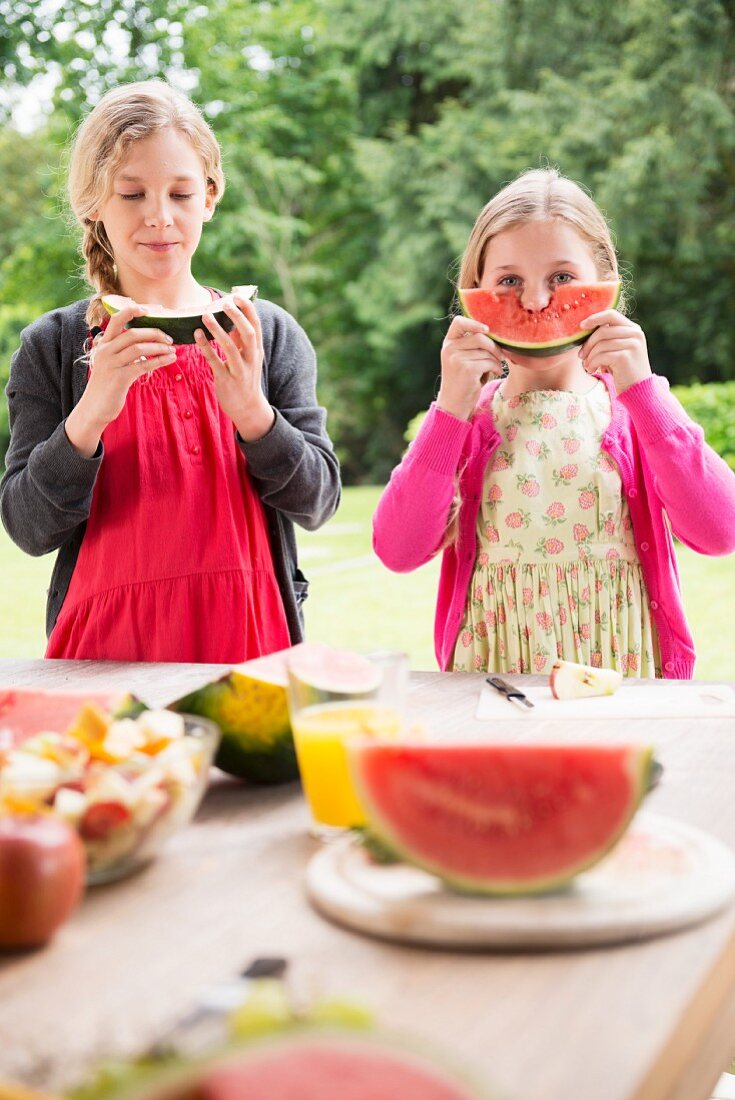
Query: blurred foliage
(360, 142)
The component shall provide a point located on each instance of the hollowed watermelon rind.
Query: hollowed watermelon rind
(543, 349)
(641, 767)
(180, 326)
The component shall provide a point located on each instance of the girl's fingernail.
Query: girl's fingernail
(198, 334)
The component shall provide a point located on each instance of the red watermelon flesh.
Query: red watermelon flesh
(539, 333)
(24, 713)
(500, 819)
(330, 1069)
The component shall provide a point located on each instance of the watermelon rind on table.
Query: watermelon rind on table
(500, 819)
(180, 325)
(552, 330)
(250, 706)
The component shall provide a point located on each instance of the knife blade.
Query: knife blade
(512, 694)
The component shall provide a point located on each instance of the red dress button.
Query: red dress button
(178, 376)
(196, 450)
(187, 414)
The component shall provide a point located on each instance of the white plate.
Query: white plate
(663, 875)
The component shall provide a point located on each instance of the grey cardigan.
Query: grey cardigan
(46, 491)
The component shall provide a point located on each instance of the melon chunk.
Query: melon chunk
(500, 818)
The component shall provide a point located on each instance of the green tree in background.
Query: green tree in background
(360, 142)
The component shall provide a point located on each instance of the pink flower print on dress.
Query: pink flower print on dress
(491, 533)
(544, 420)
(482, 558)
(481, 630)
(612, 554)
(545, 621)
(585, 631)
(629, 662)
(563, 616)
(502, 460)
(501, 615)
(477, 662)
(543, 588)
(466, 638)
(512, 432)
(549, 546)
(517, 519)
(555, 513)
(560, 649)
(572, 412)
(571, 443)
(540, 658)
(495, 493)
(615, 644)
(604, 462)
(478, 593)
(514, 402)
(490, 618)
(584, 595)
(529, 486)
(596, 658)
(581, 532)
(527, 597)
(533, 447)
(588, 496)
(566, 474)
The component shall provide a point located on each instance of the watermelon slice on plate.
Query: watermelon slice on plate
(25, 712)
(179, 324)
(540, 333)
(500, 818)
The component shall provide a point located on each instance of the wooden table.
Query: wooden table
(647, 1021)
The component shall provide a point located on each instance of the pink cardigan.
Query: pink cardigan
(669, 475)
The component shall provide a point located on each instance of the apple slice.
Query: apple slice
(571, 681)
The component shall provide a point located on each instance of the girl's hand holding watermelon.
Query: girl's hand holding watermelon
(119, 356)
(618, 346)
(237, 377)
(468, 357)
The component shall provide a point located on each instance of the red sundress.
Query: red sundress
(176, 563)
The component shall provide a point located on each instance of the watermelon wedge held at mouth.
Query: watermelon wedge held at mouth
(181, 324)
(540, 333)
(500, 818)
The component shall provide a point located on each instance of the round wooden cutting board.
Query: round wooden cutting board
(663, 875)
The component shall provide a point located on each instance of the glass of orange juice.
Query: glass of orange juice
(334, 695)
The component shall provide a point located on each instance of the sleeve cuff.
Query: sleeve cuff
(653, 411)
(440, 441)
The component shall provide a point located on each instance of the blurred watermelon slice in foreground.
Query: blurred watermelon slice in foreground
(539, 333)
(500, 819)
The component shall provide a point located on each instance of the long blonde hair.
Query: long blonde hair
(540, 194)
(123, 116)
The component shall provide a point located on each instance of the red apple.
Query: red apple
(42, 872)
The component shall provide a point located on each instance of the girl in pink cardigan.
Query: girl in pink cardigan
(552, 485)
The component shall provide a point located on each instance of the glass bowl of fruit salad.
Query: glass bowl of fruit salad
(125, 784)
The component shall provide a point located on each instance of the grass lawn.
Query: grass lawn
(355, 602)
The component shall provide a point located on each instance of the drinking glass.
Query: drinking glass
(332, 698)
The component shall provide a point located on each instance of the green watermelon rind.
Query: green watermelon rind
(642, 764)
(180, 327)
(239, 754)
(551, 347)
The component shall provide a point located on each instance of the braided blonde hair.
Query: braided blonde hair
(123, 116)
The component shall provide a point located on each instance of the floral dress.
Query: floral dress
(557, 573)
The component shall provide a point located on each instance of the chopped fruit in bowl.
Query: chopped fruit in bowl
(572, 681)
(124, 784)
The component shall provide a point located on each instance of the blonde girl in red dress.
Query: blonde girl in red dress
(167, 477)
